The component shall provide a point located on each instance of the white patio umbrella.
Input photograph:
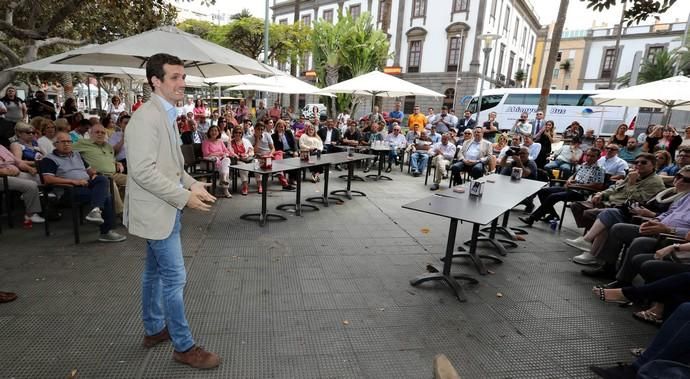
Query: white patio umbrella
(201, 57)
(670, 93)
(283, 84)
(126, 73)
(377, 83)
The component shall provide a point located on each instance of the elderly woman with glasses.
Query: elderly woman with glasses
(244, 151)
(21, 178)
(26, 147)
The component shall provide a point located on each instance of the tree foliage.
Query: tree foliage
(639, 11)
(246, 36)
(32, 29)
(661, 66)
(348, 48)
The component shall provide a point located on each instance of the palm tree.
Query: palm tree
(660, 66)
(567, 67)
(520, 77)
(347, 49)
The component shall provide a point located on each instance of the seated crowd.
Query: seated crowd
(631, 196)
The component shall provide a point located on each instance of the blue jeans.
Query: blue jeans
(418, 161)
(97, 194)
(163, 281)
(671, 343)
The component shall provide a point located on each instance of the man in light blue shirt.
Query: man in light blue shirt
(612, 164)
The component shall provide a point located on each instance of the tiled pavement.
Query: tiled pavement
(325, 295)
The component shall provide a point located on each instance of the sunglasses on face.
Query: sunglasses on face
(640, 162)
(685, 179)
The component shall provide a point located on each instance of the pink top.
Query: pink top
(199, 111)
(214, 148)
(6, 157)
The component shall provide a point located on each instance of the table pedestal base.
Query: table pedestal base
(354, 177)
(262, 218)
(348, 193)
(379, 177)
(297, 209)
(450, 280)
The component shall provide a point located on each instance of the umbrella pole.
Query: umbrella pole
(667, 116)
(88, 90)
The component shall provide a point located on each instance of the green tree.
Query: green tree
(639, 11)
(519, 77)
(38, 28)
(347, 49)
(201, 28)
(660, 66)
(246, 36)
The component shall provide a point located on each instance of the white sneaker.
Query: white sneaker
(586, 259)
(95, 216)
(579, 243)
(111, 236)
(35, 218)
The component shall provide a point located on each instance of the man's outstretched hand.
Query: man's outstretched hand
(199, 198)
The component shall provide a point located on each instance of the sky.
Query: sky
(579, 17)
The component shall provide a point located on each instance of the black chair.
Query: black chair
(57, 201)
(198, 167)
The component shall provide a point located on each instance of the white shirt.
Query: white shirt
(188, 108)
(329, 132)
(613, 166)
(399, 140)
(447, 150)
(534, 150)
(473, 151)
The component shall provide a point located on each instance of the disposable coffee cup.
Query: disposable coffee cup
(516, 174)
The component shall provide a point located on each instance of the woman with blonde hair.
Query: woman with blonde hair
(310, 141)
(48, 131)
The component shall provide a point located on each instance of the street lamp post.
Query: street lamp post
(457, 66)
(487, 40)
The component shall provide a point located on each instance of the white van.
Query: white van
(563, 108)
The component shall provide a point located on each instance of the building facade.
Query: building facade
(591, 53)
(435, 42)
(570, 61)
(647, 39)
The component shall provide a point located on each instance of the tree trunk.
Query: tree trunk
(294, 99)
(331, 79)
(553, 52)
(67, 85)
(146, 92)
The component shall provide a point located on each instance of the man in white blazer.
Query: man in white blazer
(474, 155)
(158, 188)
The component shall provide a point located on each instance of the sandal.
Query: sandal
(601, 293)
(648, 317)
(6, 297)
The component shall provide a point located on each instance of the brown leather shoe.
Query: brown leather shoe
(197, 357)
(162, 336)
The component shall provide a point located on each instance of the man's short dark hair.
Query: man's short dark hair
(123, 118)
(648, 156)
(595, 151)
(154, 66)
(85, 123)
